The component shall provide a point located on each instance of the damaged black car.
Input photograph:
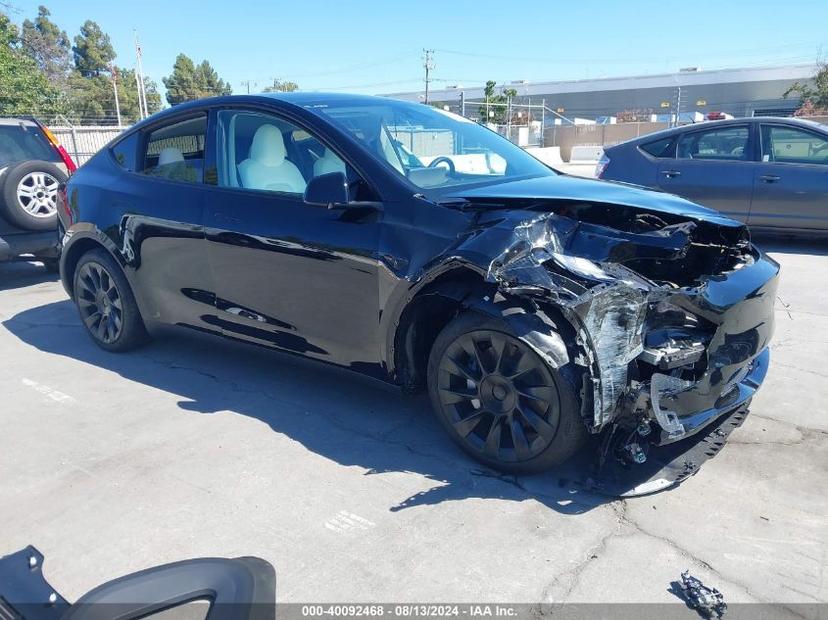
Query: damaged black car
(422, 249)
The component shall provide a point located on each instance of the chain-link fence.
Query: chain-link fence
(83, 142)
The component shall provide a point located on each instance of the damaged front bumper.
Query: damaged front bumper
(665, 351)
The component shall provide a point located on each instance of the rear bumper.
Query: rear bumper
(42, 244)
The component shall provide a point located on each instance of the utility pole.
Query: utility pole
(114, 70)
(249, 83)
(678, 105)
(139, 79)
(428, 65)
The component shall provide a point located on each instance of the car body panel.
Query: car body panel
(592, 264)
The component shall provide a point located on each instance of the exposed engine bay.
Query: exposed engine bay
(670, 315)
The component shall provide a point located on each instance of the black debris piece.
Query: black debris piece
(708, 602)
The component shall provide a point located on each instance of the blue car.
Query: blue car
(771, 173)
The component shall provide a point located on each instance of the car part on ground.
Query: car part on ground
(235, 589)
(708, 602)
(641, 315)
(30, 192)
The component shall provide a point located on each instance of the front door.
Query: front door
(713, 167)
(791, 183)
(289, 275)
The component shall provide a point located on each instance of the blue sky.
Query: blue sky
(374, 46)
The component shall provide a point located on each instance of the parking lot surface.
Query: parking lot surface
(195, 447)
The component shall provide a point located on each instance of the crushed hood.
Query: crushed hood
(576, 189)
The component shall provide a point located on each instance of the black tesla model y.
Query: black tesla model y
(423, 249)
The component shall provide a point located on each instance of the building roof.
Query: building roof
(680, 78)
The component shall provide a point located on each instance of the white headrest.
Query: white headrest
(169, 155)
(268, 146)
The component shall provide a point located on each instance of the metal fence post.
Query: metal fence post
(75, 142)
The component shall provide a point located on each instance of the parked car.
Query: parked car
(535, 307)
(771, 173)
(32, 166)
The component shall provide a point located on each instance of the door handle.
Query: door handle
(769, 178)
(671, 174)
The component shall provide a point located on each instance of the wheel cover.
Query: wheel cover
(499, 396)
(100, 302)
(37, 194)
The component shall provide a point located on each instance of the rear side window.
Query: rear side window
(126, 152)
(176, 151)
(724, 143)
(660, 148)
(24, 142)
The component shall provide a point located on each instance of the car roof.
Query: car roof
(17, 120)
(299, 99)
(672, 131)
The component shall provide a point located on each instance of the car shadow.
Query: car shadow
(20, 274)
(338, 414)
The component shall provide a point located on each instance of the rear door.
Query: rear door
(713, 167)
(156, 208)
(791, 182)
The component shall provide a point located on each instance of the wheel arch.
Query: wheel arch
(80, 244)
(539, 323)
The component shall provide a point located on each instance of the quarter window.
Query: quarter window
(794, 146)
(726, 143)
(176, 152)
(263, 152)
(125, 152)
(659, 148)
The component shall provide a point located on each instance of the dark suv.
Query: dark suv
(32, 166)
(418, 247)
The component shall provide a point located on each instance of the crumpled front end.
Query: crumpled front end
(672, 318)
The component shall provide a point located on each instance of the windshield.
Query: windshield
(432, 148)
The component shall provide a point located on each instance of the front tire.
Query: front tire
(499, 401)
(106, 304)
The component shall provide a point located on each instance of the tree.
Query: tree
(813, 97)
(48, 45)
(188, 81)
(24, 89)
(93, 98)
(280, 86)
(93, 50)
(497, 109)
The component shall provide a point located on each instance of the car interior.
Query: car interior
(176, 151)
(724, 144)
(266, 153)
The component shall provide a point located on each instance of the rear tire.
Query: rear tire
(106, 304)
(30, 194)
(499, 401)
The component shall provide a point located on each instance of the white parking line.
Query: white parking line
(346, 521)
(52, 393)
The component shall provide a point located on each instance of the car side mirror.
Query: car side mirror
(328, 190)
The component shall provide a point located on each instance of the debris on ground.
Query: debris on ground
(708, 602)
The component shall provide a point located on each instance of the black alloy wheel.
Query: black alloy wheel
(100, 302)
(106, 303)
(499, 400)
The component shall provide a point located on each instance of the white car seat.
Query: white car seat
(328, 163)
(266, 166)
(170, 155)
